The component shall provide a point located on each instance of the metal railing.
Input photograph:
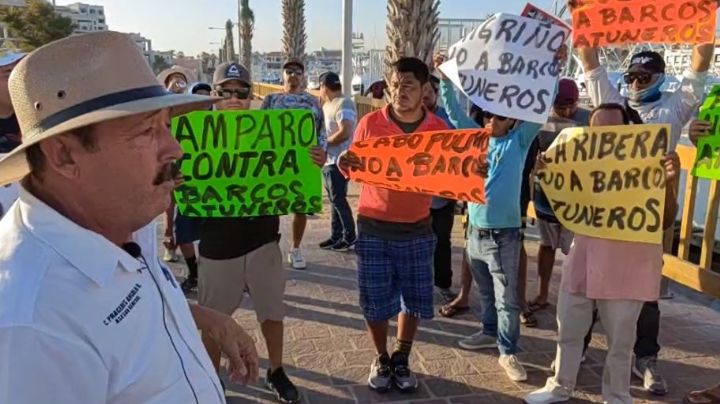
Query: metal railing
(364, 105)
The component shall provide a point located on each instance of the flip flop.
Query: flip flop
(708, 396)
(528, 319)
(450, 310)
(535, 306)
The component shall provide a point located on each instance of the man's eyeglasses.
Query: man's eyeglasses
(239, 93)
(293, 72)
(641, 78)
(490, 115)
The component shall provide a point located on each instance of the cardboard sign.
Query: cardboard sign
(247, 163)
(536, 13)
(609, 182)
(599, 23)
(507, 66)
(707, 157)
(440, 163)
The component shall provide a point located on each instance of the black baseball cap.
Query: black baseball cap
(330, 79)
(296, 63)
(229, 71)
(647, 61)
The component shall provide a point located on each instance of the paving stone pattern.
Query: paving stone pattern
(328, 354)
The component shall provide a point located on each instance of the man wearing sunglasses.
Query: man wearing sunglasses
(294, 96)
(644, 78)
(242, 254)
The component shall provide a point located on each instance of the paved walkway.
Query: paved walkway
(328, 354)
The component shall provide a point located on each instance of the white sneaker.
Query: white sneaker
(296, 259)
(545, 396)
(170, 256)
(513, 368)
(478, 341)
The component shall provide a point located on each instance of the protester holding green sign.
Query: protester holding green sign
(243, 169)
(704, 134)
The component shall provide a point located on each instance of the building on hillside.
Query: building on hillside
(145, 45)
(454, 29)
(86, 17)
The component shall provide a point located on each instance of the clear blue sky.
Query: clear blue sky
(183, 24)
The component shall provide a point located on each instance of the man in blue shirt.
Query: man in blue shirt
(494, 234)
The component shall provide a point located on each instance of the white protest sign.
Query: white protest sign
(507, 66)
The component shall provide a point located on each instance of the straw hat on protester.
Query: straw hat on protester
(185, 72)
(80, 81)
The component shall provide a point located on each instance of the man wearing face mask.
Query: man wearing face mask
(644, 78)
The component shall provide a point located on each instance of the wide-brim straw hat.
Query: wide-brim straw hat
(80, 81)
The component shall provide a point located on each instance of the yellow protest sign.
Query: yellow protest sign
(608, 181)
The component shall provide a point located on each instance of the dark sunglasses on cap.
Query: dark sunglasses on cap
(490, 115)
(293, 72)
(239, 93)
(641, 78)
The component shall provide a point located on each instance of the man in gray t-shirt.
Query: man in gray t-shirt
(340, 120)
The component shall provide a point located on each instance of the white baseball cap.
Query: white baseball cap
(10, 56)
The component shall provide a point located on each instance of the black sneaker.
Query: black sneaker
(404, 379)
(342, 246)
(189, 285)
(284, 389)
(328, 244)
(380, 377)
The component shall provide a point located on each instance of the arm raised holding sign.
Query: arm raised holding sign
(644, 78)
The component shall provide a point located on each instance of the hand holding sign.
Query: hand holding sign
(698, 129)
(509, 65)
(671, 162)
(607, 181)
(248, 163)
(450, 164)
(599, 23)
(705, 133)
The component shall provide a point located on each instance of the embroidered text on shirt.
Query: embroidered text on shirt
(124, 308)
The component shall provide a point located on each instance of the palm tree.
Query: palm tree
(294, 37)
(229, 42)
(246, 27)
(412, 30)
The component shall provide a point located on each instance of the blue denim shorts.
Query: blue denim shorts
(395, 276)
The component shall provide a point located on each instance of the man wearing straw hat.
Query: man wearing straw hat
(88, 314)
(9, 130)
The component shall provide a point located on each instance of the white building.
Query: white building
(145, 45)
(454, 29)
(86, 17)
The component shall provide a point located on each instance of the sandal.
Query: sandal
(528, 319)
(451, 310)
(535, 306)
(710, 395)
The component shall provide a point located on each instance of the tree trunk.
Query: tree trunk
(412, 30)
(294, 36)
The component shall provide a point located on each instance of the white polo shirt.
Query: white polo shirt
(82, 321)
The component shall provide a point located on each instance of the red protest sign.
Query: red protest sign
(536, 13)
(443, 163)
(598, 23)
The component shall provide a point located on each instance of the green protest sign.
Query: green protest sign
(707, 157)
(247, 163)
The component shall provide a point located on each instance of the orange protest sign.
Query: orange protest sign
(443, 163)
(598, 23)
